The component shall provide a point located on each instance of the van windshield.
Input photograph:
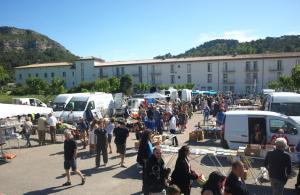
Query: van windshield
(133, 104)
(76, 106)
(289, 109)
(58, 106)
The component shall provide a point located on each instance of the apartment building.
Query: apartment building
(239, 74)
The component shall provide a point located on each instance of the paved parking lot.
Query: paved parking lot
(39, 170)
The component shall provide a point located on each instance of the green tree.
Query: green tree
(126, 84)
(56, 86)
(189, 85)
(274, 85)
(36, 85)
(102, 85)
(296, 76)
(141, 87)
(286, 83)
(114, 83)
(4, 76)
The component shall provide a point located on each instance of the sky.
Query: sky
(142, 29)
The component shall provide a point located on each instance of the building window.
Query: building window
(189, 78)
(122, 70)
(73, 73)
(82, 72)
(153, 68)
(172, 68)
(189, 68)
(209, 88)
(255, 67)
(248, 76)
(172, 79)
(231, 88)
(29, 75)
(248, 64)
(100, 72)
(118, 71)
(248, 89)
(140, 74)
(279, 74)
(73, 83)
(178, 66)
(20, 76)
(178, 77)
(64, 74)
(279, 65)
(225, 66)
(209, 67)
(225, 78)
(255, 76)
(225, 88)
(209, 78)
(36, 74)
(153, 79)
(52, 74)
(45, 75)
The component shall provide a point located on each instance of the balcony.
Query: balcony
(251, 81)
(228, 82)
(275, 69)
(251, 70)
(226, 70)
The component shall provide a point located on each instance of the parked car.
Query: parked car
(238, 127)
(29, 102)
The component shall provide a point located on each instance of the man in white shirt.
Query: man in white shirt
(172, 127)
(52, 121)
(110, 128)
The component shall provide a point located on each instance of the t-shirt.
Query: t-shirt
(234, 186)
(52, 121)
(69, 148)
(110, 128)
(121, 135)
(27, 126)
(172, 123)
(42, 124)
(101, 136)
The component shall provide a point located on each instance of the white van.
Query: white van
(134, 104)
(186, 95)
(287, 103)
(171, 93)
(60, 102)
(29, 102)
(120, 104)
(238, 127)
(101, 104)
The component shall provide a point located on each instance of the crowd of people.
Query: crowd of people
(155, 119)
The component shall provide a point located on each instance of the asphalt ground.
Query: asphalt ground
(39, 169)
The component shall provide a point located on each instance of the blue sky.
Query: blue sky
(139, 29)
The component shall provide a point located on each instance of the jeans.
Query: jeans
(206, 118)
(277, 186)
(27, 137)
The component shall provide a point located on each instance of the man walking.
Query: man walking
(52, 121)
(121, 133)
(110, 128)
(70, 154)
(279, 166)
(41, 129)
(101, 143)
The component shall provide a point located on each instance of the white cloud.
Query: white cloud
(240, 35)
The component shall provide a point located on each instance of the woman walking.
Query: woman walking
(183, 174)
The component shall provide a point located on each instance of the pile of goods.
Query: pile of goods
(196, 136)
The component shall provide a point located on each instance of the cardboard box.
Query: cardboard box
(200, 135)
(192, 136)
(253, 150)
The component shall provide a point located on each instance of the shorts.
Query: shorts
(70, 164)
(121, 148)
(109, 137)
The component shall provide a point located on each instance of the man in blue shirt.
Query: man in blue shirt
(220, 116)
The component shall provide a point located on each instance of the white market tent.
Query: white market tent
(11, 110)
(154, 96)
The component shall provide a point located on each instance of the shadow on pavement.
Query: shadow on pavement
(57, 153)
(130, 172)
(266, 190)
(92, 171)
(51, 190)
